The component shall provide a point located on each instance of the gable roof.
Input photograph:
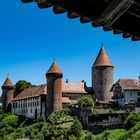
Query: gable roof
(30, 92)
(67, 87)
(102, 59)
(73, 87)
(128, 84)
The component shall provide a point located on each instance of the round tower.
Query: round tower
(102, 76)
(54, 89)
(7, 95)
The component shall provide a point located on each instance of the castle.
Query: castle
(39, 100)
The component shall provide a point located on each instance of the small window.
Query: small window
(130, 93)
(138, 93)
(13, 105)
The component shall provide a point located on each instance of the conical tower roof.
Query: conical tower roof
(102, 59)
(54, 69)
(7, 83)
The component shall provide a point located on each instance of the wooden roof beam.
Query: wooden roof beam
(113, 12)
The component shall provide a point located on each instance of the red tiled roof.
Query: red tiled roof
(7, 83)
(102, 59)
(30, 92)
(73, 87)
(54, 68)
(104, 102)
(67, 87)
(128, 84)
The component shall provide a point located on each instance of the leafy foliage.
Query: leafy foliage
(61, 126)
(85, 101)
(132, 119)
(76, 128)
(8, 123)
(20, 86)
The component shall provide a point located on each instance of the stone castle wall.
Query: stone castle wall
(7, 96)
(102, 80)
(54, 94)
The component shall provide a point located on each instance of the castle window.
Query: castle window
(13, 105)
(130, 93)
(37, 103)
(138, 93)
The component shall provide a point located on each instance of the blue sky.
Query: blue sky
(31, 37)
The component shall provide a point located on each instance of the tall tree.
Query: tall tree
(20, 86)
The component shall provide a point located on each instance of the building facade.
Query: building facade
(126, 91)
(35, 101)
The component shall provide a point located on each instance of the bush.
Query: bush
(85, 101)
(76, 128)
(136, 136)
(132, 119)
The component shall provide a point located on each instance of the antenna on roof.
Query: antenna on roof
(54, 60)
(102, 45)
(8, 75)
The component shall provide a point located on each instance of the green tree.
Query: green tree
(76, 128)
(20, 86)
(85, 101)
(132, 119)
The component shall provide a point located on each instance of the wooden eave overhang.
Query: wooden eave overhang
(120, 16)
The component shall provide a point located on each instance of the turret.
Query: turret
(102, 76)
(7, 95)
(54, 89)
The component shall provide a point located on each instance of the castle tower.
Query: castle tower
(54, 89)
(7, 95)
(102, 76)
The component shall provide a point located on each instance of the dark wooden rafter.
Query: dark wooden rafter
(71, 14)
(84, 19)
(58, 10)
(44, 5)
(121, 16)
(126, 35)
(115, 9)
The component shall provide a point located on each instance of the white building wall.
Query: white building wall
(131, 96)
(27, 107)
(127, 97)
